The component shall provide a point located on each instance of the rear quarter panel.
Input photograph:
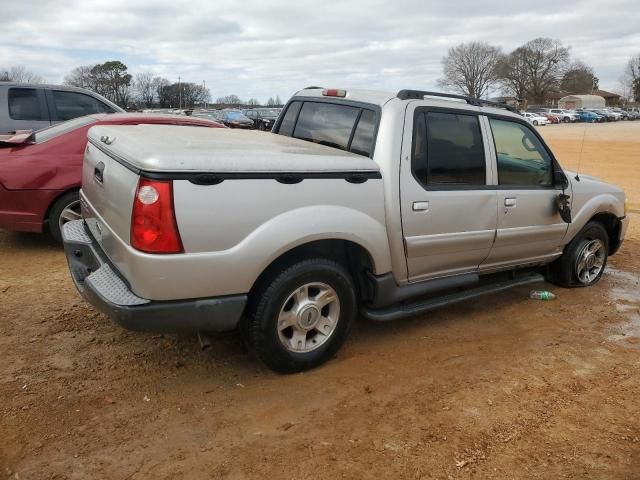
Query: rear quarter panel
(232, 231)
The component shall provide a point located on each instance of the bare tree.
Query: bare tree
(513, 74)
(145, 88)
(253, 102)
(579, 79)
(229, 100)
(160, 88)
(81, 77)
(534, 70)
(20, 74)
(271, 102)
(632, 76)
(470, 68)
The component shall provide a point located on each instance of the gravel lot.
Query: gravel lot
(501, 387)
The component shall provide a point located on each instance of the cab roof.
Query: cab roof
(380, 98)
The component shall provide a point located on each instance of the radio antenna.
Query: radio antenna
(584, 134)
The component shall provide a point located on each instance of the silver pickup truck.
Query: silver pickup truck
(382, 204)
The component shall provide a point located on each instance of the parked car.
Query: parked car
(565, 116)
(607, 115)
(536, 118)
(34, 107)
(385, 204)
(263, 118)
(40, 173)
(236, 119)
(210, 115)
(535, 109)
(552, 118)
(624, 115)
(586, 116)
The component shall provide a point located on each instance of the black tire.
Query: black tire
(566, 120)
(564, 271)
(261, 331)
(59, 206)
(261, 127)
(535, 122)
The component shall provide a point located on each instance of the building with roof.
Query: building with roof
(582, 101)
(611, 99)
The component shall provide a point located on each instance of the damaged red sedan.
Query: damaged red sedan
(40, 173)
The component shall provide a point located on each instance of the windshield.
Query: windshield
(64, 127)
(269, 113)
(236, 116)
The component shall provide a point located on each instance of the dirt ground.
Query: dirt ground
(499, 388)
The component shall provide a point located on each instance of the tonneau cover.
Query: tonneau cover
(169, 148)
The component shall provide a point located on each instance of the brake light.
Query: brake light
(334, 92)
(153, 220)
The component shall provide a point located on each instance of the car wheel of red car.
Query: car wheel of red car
(65, 209)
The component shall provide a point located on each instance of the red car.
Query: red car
(550, 117)
(40, 174)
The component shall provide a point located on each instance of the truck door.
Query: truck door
(530, 228)
(447, 202)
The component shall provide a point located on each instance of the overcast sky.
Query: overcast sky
(269, 47)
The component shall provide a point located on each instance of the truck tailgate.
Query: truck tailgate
(108, 189)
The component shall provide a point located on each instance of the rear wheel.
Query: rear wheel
(584, 259)
(65, 209)
(301, 316)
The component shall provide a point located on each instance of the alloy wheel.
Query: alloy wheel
(308, 317)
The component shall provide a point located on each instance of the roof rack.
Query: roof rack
(478, 102)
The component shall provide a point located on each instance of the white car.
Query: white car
(535, 119)
(564, 115)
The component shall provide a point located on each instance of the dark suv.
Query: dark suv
(263, 118)
(34, 107)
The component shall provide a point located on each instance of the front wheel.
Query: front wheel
(585, 258)
(535, 122)
(65, 209)
(301, 317)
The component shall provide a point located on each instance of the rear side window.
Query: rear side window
(289, 120)
(24, 104)
(70, 105)
(448, 150)
(362, 142)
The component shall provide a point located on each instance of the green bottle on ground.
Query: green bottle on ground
(541, 295)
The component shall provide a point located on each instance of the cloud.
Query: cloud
(259, 49)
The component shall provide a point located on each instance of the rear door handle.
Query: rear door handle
(420, 206)
(510, 202)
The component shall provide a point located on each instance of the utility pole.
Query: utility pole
(179, 93)
(204, 92)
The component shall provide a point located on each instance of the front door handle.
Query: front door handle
(510, 202)
(420, 206)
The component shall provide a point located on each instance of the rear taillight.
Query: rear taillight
(153, 220)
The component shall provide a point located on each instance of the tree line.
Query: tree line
(532, 72)
(112, 80)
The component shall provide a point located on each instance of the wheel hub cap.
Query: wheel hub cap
(590, 261)
(308, 317)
